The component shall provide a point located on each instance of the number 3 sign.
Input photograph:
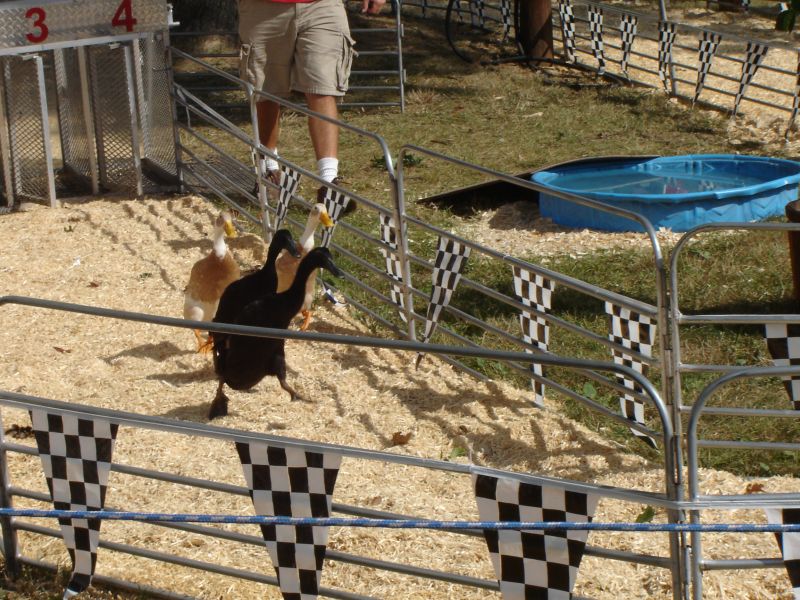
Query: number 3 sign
(45, 22)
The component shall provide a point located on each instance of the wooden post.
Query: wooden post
(536, 28)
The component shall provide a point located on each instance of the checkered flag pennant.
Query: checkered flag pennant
(567, 15)
(393, 267)
(534, 291)
(707, 48)
(76, 458)
(789, 543)
(796, 99)
(450, 260)
(596, 32)
(628, 28)
(666, 38)
(287, 187)
(505, 17)
(754, 55)
(533, 563)
(637, 332)
(479, 10)
(290, 482)
(335, 203)
(783, 344)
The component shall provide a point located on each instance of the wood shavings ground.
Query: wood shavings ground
(139, 253)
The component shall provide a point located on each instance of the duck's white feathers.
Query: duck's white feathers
(210, 276)
(286, 264)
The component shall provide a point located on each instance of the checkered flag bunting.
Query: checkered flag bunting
(534, 291)
(795, 100)
(636, 332)
(753, 57)
(596, 33)
(789, 543)
(707, 48)
(567, 15)
(289, 181)
(505, 17)
(666, 38)
(289, 482)
(335, 203)
(76, 458)
(393, 266)
(628, 29)
(480, 11)
(783, 344)
(533, 563)
(451, 257)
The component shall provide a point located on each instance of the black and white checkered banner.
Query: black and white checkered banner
(567, 15)
(666, 38)
(335, 203)
(636, 332)
(505, 17)
(451, 257)
(480, 11)
(533, 564)
(783, 344)
(534, 291)
(393, 266)
(628, 28)
(76, 458)
(596, 35)
(796, 99)
(752, 61)
(289, 482)
(289, 180)
(789, 543)
(707, 48)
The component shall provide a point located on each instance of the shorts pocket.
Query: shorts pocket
(345, 62)
(245, 68)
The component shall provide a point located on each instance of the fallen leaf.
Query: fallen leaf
(400, 439)
(646, 515)
(94, 284)
(62, 350)
(753, 488)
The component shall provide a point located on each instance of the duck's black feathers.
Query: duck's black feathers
(242, 361)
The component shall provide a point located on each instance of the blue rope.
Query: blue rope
(401, 523)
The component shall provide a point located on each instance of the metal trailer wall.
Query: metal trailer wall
(85, 106)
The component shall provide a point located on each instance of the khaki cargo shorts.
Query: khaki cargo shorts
(303, 47)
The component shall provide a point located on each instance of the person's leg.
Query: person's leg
(267, 33)
(324, 135)
(269, 118)
(321, 71)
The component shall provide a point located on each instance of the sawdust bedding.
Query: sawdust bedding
(136, 255)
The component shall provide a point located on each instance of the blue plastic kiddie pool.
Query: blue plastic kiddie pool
(675, 192)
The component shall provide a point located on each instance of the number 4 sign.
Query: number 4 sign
(124, 16)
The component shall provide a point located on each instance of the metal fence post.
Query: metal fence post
(6, 527)
(402, 244)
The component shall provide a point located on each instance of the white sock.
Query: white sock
(270, 163)
(328, 168)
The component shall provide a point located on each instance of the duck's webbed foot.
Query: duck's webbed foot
(293, 395)
(219, 407)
